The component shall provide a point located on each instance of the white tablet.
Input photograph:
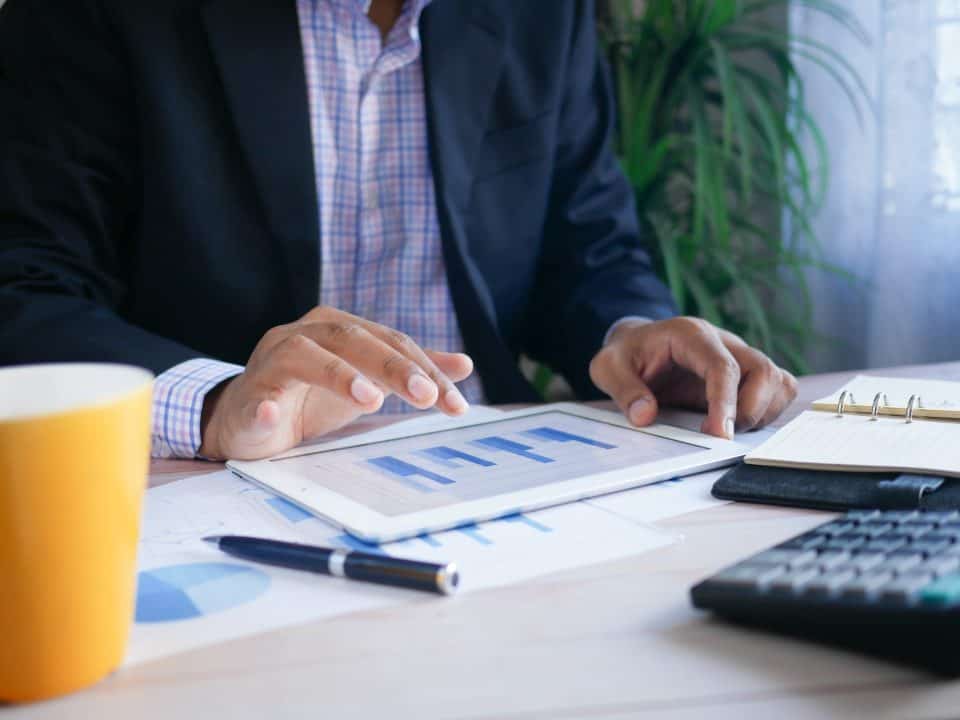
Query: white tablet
(523, 460)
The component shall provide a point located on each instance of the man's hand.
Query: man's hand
(687, 362)
(313, 376)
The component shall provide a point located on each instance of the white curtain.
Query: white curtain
(892, 217)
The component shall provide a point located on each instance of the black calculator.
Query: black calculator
(881, 582)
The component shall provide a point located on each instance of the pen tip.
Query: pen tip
(213, 539)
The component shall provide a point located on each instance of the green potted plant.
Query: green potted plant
(715, 138)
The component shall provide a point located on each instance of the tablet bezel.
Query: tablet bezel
(374, 527)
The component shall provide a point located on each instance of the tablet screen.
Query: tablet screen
(437, 469)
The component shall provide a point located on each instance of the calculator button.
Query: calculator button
(885, 543)
(900, 562)
(916, 529)
(853, 535)
(895, 536)
(899, 515)
(941, 565)
(874, 528)
(867, 583)
(847, 541)
(792, 558)
(746, 576)
(803, 542)
(906, 586)
(835, 528)
(939, 536)
(832, 558)
(944, 591)
(864, 561)
(941, 516)
(861, 515)
(794, 580)
(947, 534)
(831, 581)
(928, 546)
(884, 546)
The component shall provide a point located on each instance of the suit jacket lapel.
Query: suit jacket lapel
(256, 46)
(463, 53)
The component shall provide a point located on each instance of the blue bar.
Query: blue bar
(291, 512)
(444, 455)
(548, 433)
(528, 521)
(408, 481)
(402, 469)
(430, 540)
(471, 532)
(499, 443)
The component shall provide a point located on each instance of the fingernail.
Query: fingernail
(637, 409)
(364, 391)
(421, 388)
(456, 402)
(728, 428)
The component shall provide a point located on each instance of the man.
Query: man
(297, 212)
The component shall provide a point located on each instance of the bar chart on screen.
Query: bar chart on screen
(441, 468)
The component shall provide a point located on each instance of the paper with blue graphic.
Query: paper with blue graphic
(191, 595)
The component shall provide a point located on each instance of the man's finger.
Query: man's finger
(700, 351)
(612, 372)
(349, 339)
(432, 386)
(456, 366)
(783, 398)
(756, 398)
(299, 359)
(448, 398)
(761, 385)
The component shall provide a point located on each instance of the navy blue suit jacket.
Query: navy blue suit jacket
(157, 196)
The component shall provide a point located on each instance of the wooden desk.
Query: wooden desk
(618, 640)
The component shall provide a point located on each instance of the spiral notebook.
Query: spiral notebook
(873, 424)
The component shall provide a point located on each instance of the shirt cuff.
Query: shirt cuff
(618, 323)
(178, 396)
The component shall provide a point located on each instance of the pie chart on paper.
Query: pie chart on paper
(193, 590)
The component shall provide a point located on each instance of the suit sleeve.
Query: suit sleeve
(69, 190)
(595, 269)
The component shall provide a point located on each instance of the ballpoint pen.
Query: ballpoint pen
(367, 567)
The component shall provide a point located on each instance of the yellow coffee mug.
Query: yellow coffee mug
(74, 457)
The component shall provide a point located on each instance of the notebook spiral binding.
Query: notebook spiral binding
(879, 400)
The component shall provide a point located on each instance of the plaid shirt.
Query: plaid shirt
(381, 255)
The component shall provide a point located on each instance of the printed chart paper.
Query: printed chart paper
(190, 594)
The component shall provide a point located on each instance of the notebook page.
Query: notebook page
(856, 442)
(938, 397)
